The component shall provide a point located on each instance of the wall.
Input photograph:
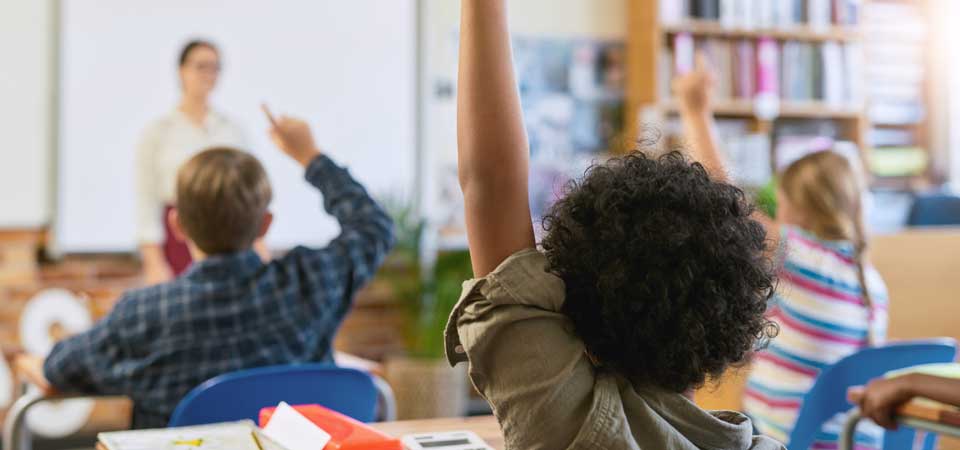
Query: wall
(27, 45)
(595, 19)
(26, 112)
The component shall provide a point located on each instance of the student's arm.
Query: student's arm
(30, 368)
(87, 363)
(492, 143)
(525, 358)
(881, 398)
(695, 94)
(150, 211)
(366, 234)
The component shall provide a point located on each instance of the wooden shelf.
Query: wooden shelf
(788, 110)
(712, 28)
(915, 183)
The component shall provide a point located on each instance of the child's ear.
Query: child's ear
(173, 221)
(265, 225)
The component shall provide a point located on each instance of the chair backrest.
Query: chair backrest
(241, 395)
(828, 397)
(934, 210)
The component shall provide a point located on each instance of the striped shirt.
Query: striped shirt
(822, 314)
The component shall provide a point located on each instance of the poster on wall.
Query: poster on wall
(572, 93)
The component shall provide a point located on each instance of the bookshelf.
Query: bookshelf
(712, 28)
(653, 39)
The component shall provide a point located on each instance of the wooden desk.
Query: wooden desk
(919, 414)
(486, 427)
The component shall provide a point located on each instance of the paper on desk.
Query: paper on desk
(293, 431)
(224, 436)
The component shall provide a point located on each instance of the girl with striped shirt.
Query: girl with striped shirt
(830, 302)
(821, 306)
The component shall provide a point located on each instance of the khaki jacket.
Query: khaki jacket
(530, 366)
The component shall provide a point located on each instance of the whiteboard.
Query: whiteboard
(347, 66)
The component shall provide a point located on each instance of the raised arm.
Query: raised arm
(492, 143)
(366, 234)
(694, 91)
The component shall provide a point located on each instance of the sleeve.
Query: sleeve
(524, 356)
(366, 232)
(149, 203)
(85, 363)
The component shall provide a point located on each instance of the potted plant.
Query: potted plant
(423, 381)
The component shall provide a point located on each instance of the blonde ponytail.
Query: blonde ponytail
(860, 249)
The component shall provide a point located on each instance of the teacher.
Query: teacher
(168, 142)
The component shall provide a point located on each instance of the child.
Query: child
(230, 311)
(880, 399)
(652, 277)
(830, 302)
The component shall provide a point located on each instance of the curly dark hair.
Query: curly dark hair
(667, 278)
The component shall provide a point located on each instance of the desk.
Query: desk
(918, 414)
(486, 427)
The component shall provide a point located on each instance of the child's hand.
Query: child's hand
(293, 136)
(694, 90)
(881, 398)
(30, 368)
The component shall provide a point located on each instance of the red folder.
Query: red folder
(346, 433)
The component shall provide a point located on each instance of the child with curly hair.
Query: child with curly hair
(652, 277)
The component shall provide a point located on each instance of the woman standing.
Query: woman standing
(166, 143)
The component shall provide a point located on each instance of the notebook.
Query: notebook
(223, 436)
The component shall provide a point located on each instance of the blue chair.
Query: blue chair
(241, 395)
(934, 210)
(829, 394)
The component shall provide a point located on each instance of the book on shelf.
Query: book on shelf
(895, 71)
(747, 152)
(899, 161)
(705, 9)
(744, 74)
(748, 14)
(763, 69)
(684, 53)
(891, 137)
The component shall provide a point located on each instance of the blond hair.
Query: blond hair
(222, 198)
(827, 191)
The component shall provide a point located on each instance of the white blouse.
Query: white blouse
(166, 144)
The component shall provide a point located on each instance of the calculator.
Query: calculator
(456, 440)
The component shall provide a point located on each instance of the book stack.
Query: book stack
(750, 14)
(895, 73)
(747, 152)
(801, 71)
(795, 139)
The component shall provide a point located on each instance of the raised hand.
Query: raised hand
(293, 136)
(694, 90)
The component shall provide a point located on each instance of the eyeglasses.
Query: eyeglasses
(206, 67)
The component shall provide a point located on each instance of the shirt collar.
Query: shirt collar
(212, 118)
(237, 264)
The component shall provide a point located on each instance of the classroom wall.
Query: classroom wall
(26, 106)
(27, 44)
(593, 19)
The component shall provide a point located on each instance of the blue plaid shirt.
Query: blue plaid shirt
(230, 312)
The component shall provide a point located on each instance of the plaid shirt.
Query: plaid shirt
(230, 312)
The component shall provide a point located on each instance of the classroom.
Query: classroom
(479, 224)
